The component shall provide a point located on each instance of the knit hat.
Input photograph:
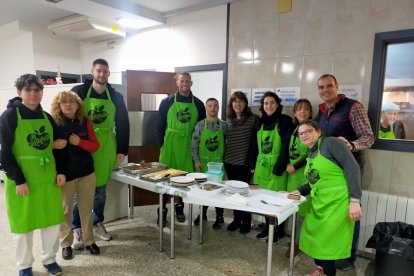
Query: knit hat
(390, 106)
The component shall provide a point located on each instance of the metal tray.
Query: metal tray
(166, 177)
(143, 168)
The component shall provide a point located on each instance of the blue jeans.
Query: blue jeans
(98, 208)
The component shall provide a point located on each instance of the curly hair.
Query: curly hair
(277, 100)
(238, 95)
(56, 111)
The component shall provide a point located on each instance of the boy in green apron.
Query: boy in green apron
(179, 114)
(32, 185)
(108, 113)
(207, 145)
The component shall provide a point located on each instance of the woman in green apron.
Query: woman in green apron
(32, 185)
(302, 109)
(334, 184)
(272, 155)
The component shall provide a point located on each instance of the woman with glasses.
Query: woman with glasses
(76, 147)
(334, 183)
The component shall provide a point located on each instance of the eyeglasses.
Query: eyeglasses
(68, 102)
(308, 131)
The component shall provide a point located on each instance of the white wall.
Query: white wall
(197, 38)
(16, 53)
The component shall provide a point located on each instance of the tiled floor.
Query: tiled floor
(134, 251)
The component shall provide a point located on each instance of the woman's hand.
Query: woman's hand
(290, 169)
(60, 180)
(22, 189)
(74, 139)
(355, 212)
(59, 143)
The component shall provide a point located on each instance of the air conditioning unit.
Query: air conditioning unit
(81, 27)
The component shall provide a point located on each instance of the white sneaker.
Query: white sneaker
(77, 239)
(100, 232)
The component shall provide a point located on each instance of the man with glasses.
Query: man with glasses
(109, 116)
(346, 119)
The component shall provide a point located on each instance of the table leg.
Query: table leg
(190, 219)
(272, 221)
(160, 218)
(172, 246)
(131, 202)
(292, 246)
(201, 224)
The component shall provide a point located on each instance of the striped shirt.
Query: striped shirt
(240, 135)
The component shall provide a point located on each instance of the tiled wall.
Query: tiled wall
(318, 37)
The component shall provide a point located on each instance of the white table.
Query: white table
(192, 197)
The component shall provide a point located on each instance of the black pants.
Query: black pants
(241, 173)
(165, 199)
(328, 266)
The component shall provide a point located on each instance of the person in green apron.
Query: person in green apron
(334, 184)
(207, 145)
(179, 114)
(272, 154)
(33, 177)
(390, 127)
(106, 108)
(302, 109)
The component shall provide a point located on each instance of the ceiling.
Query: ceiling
(148, 12)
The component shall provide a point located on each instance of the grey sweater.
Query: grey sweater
(336, 151)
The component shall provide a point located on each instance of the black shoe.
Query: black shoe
(67, 253)
(197, 220)
(233, 226)
(93, 249)
(244, 229)
(165, 212)
(218, 223)
(344, 265)
(179, 212)
(263, 235)
(276, 239)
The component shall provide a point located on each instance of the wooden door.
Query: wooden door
(139, 85)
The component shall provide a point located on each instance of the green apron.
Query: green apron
(176, 150)
(102, 114)
(386, 134)
(297, 151)
(327, 229)
(211, 146)
(32, 149)
(270, 146)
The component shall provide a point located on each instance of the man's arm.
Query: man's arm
(194, 145)
(362, 127)
(121, 124)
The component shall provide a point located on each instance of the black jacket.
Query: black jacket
(121, 113)
(8, 125)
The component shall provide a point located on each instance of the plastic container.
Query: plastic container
(215, 167)
(215, 177)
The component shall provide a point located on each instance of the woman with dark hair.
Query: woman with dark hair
(334, 183)
(240, 135)
(298, 152)
(272, 151)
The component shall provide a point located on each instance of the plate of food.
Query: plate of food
(182, 180)
(163, 175)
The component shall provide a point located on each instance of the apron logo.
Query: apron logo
(267, 145)
(294, 152)
(184, 116)
(312, 175)
(39, 140)
(98, 115)
(212, 143)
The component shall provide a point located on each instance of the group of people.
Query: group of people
(57, 166)
(322, 159)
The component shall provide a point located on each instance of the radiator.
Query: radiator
(377, 207)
